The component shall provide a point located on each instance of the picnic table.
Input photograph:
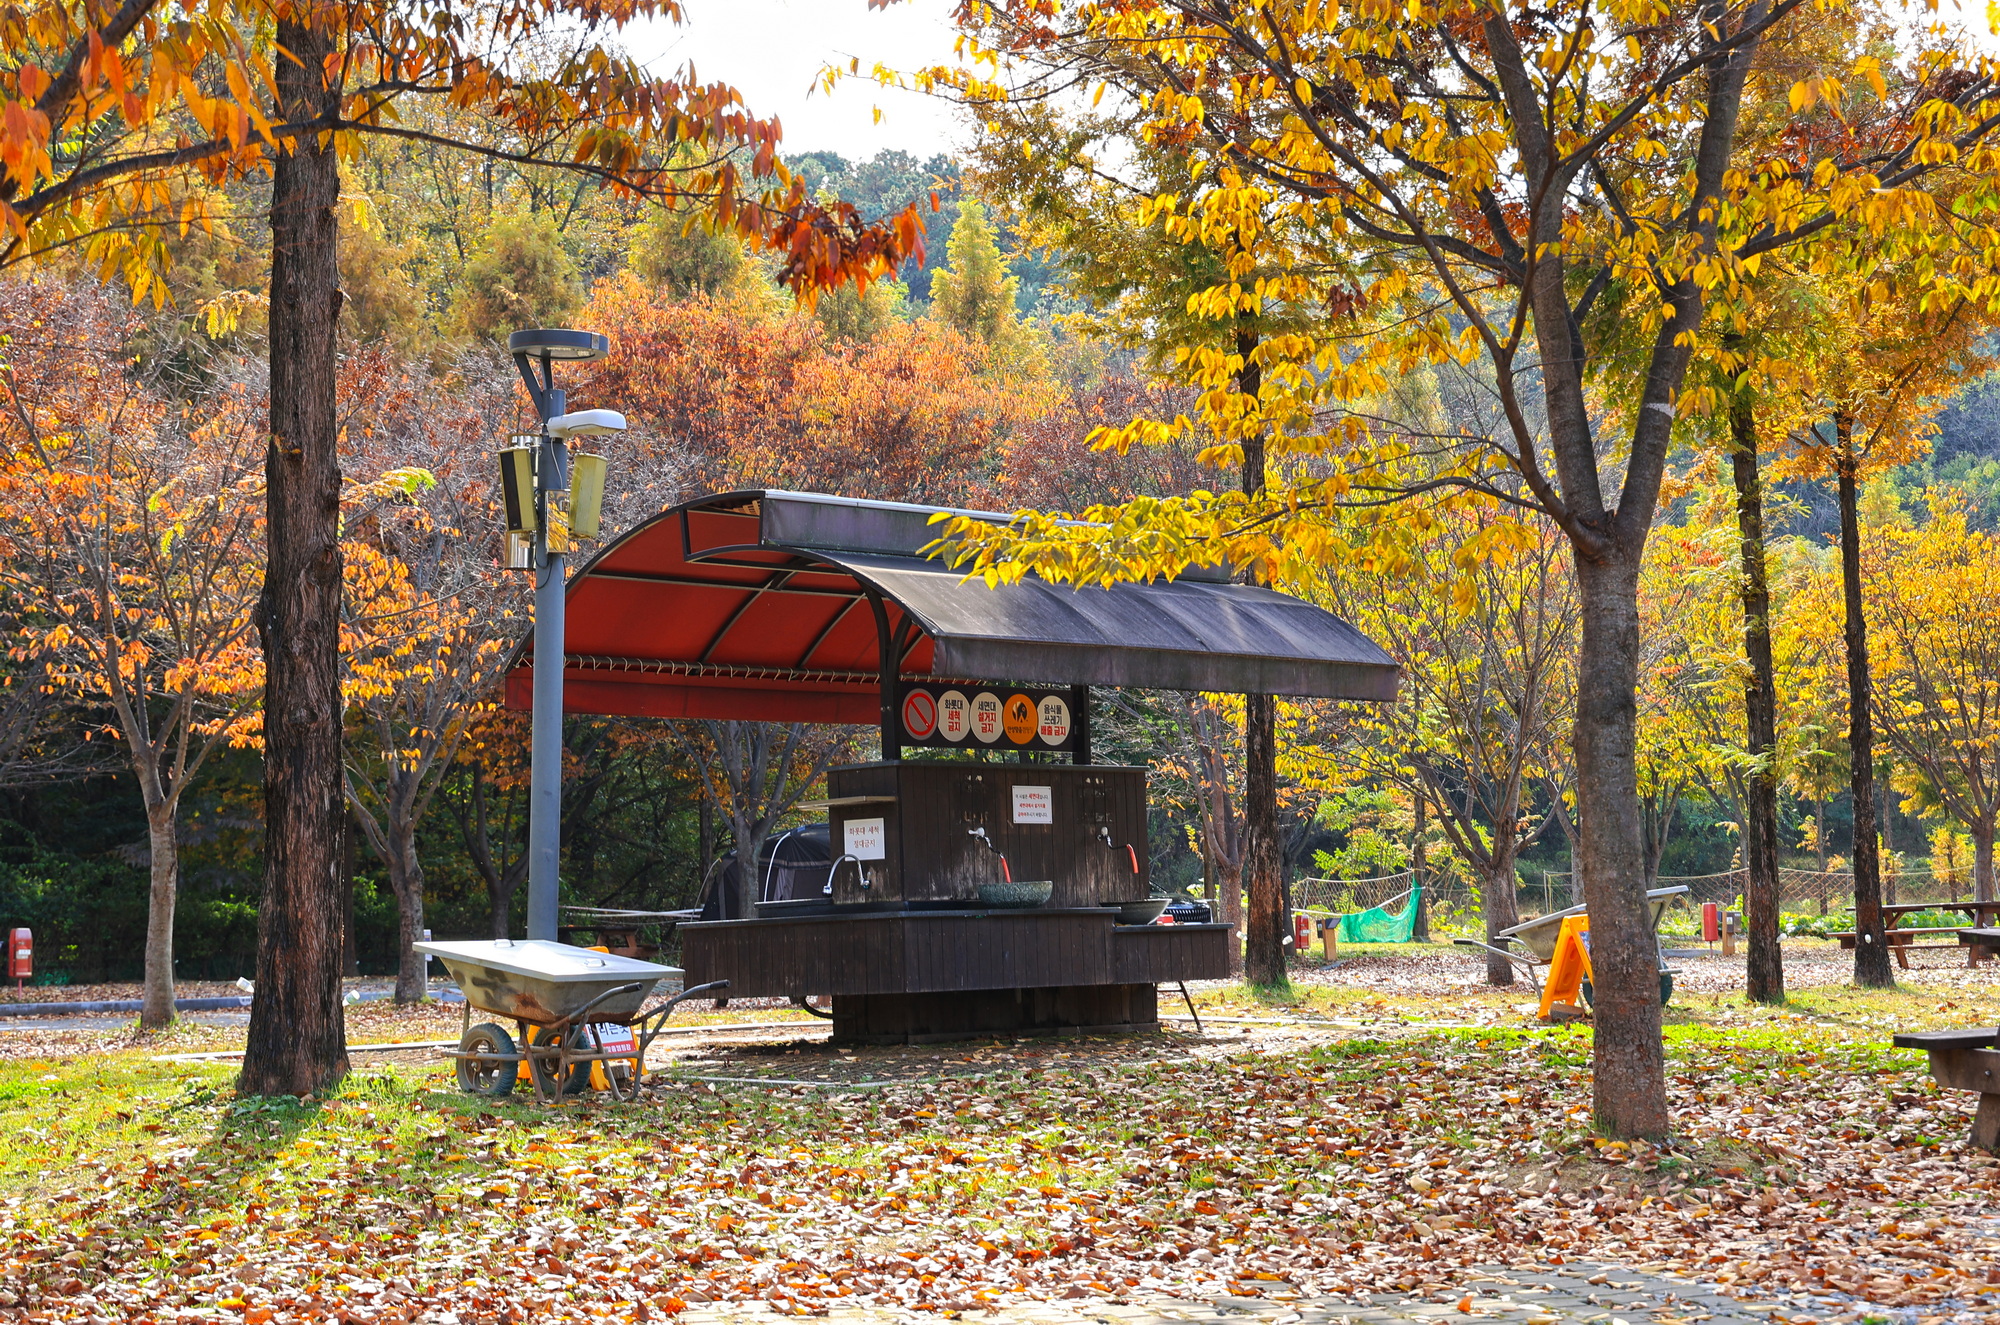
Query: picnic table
(1984, 941)
(1966, 1060)
(1903, 939)
(618, 930)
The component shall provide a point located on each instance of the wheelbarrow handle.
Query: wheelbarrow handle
(660, 1011)
(663, 1008)
(1514, 957)
(577, 1018)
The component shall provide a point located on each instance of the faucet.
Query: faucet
(860, 874)
(987, 842)
(1131, 852)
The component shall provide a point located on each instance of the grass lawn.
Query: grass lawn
(1384, 1127)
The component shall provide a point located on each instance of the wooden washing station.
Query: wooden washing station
(800, 607)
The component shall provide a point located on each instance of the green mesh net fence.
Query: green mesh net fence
(1379, 925)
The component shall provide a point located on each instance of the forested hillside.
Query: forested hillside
(909, 391)
(976, 378)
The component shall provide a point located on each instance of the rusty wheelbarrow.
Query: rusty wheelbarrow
(576, 1009)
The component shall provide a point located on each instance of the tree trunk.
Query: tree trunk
(1208, 867)
(705, 823)
(1657, 814)
(748, 844)
(1229, 884)
(1628, 1084)
(350, 945)
(298, 1034)
(1264, 935)
(406, 878)
(1501, 909)
(1421, 931)
(502, 906)
(1222, 846)
(1871, 951)
(157, 1010)
(1766, 970)
(1286, 925)
(502, 879)
(1982, 860)
(1264, 946)
(1887, 818)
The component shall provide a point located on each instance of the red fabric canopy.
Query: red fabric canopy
(687, 617)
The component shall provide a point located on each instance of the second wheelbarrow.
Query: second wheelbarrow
(575, 1007)
(1539, 936)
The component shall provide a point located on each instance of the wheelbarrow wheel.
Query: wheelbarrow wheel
(1666, 990)
(545, 1070)
(492, 1077)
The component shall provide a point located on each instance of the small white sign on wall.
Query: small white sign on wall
(1034, 805)
(865, 839)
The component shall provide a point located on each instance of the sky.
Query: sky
(772, 51)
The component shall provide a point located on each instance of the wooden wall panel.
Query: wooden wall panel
(915, 952)
(1163, 954)
(934, 857)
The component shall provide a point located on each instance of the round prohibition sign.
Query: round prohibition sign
(919, 714)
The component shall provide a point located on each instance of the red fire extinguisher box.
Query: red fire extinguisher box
(20, 955)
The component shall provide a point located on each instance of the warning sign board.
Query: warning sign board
(1006, 717)
(1571, 965)
(954, 720)
(1052, 717)
(1018, 718)
(986, 724)
(920, 710)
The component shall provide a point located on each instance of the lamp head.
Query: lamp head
(586, 423)
(559, 343)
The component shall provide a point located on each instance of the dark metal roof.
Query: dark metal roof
(760, 605)
(1171, 635)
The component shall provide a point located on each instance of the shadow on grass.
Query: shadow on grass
(1278, 995)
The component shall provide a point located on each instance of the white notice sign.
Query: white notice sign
(865, 839)
(1034, 805)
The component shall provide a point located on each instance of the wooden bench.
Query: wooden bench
(1902, 942)
(1966, 1060)
(1983, 942)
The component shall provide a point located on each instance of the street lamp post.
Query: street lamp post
(542, 348)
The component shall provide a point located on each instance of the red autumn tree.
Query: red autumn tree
(132, 531)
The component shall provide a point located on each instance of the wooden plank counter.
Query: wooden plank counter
(908, 952)
(903, 975)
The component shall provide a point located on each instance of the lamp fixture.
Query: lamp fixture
(586, 423)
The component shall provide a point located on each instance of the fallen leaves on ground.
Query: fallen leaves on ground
(986, 1174)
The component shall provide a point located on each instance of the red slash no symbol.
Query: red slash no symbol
(919, 714)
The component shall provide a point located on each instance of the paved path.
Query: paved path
(1577, 1294)
(115, 1021)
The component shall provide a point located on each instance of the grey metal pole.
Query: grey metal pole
(545, 747)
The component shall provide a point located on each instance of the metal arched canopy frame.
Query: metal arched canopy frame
(803, 607)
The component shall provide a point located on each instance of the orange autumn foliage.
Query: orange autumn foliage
(723, 395)
(130, 540)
